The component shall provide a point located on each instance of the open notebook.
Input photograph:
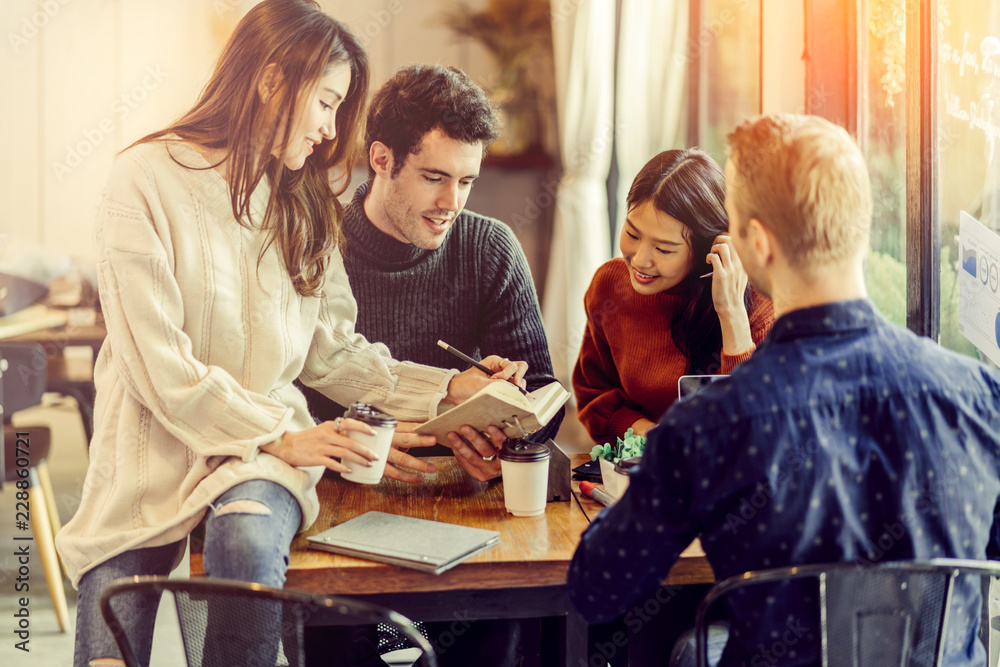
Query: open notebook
(430, 546)
(500, 404)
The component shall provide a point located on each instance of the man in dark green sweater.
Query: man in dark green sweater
(424, 269)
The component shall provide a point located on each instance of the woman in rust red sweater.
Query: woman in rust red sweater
(652, 314)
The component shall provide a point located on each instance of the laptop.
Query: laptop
(689, 384)
(421, 544)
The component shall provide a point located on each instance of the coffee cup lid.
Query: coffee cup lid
(625, 465)
(516, 449)
(370, 415)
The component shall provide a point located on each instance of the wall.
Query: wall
(83, 79)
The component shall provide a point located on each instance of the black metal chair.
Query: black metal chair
(895, 613)
(25, 450)
(225, 622)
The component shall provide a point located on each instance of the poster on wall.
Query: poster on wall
(979, 286)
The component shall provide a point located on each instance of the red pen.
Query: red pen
(598, 494)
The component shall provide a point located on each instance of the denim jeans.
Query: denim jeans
(685, 649)
(247, 540)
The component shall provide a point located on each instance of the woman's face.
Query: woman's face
(655, 248)
(316, 115)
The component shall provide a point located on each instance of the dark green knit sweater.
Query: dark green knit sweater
(475, 293)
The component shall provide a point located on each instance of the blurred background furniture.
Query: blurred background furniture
(235, 613)
(67, 375)
(871, 615)
(22, 382)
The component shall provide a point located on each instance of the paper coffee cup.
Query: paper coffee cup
(384, 426)
(525, 469)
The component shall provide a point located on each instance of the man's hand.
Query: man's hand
(468, 382)
(403, 439)
(477, 455)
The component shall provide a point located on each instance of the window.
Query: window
(726, 35)
(968, 133)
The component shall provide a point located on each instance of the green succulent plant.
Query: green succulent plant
(627, 447)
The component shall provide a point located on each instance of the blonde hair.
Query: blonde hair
(805, 179)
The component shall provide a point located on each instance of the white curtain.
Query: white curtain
(651, 103)
(583, 36)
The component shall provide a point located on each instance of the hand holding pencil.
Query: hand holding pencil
(468, 382)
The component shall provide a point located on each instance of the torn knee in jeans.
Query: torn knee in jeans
(106, 662)
(243, 507)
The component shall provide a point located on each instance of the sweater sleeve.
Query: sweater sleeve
(511, 323)
(761, 321)
(603, 406)
(346, 367)
(203, 406)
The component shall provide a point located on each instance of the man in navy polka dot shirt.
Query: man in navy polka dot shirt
(844, 438)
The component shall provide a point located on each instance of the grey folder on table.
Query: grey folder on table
(430, 546)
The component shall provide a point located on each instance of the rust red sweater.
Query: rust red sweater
(629, 365)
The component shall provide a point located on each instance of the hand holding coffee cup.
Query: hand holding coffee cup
(328, 444)
(379, 440)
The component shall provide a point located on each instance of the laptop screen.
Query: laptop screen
(689, 384)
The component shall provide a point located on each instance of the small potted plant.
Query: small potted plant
(629, 447)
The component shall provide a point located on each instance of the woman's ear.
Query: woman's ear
(270, 81)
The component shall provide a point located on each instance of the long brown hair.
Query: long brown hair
(303, 214)
(689, 186)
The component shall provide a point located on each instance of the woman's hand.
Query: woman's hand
(468, 382)
(324, 445)
(642, 426)
(729, 284)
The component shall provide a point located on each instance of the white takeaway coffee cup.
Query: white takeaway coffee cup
(525, 469)
(384, 426)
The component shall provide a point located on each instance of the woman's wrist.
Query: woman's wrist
(736, 336)
(274, 445)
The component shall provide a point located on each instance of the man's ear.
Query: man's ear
(762, 242)
(380, 158)
(269, 82)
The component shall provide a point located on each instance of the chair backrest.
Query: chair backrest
(895, 613)
(22, 376)
(225, 622)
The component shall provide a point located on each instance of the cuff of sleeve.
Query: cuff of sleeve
(731, 361)
(621, 421)
(252, 447)
(419, 389)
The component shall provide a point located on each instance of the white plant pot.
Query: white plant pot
(615, 483)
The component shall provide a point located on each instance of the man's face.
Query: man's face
(741, 240)
(423, 200)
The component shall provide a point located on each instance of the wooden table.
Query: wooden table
(522, 577)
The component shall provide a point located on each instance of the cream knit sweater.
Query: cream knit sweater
(203, 345)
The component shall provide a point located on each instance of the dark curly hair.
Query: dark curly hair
(419, 98)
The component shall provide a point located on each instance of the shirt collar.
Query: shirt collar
(827, 319)
(368, 241)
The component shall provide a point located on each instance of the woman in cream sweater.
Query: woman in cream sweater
(221, 283)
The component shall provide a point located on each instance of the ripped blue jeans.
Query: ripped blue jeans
(248, 532)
